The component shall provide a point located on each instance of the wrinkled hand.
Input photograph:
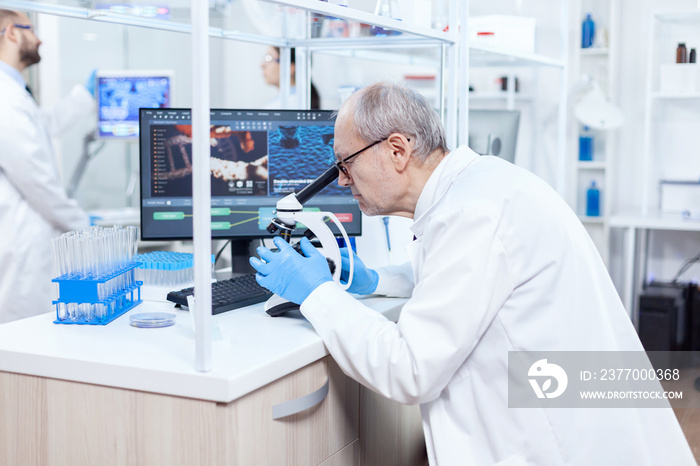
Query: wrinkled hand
(364, 280)
(289, 274)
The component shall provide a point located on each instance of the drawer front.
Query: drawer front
(348, 456)
(49, 422)
(249, 434)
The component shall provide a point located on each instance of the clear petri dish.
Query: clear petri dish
(152, 319)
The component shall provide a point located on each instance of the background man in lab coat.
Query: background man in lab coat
(500, 263)
(34, 206)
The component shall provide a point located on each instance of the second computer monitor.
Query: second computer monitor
(494, 132)
(121, 93)
(256, 158)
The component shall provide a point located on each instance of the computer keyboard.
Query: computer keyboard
(228, 294)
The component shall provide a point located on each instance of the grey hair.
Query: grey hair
(384, 108)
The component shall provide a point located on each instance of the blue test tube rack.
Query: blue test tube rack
(75, 290)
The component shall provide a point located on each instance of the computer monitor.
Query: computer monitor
(494, 132)
(257, 157)
(121, 93)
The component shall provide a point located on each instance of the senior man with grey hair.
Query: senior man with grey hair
(500, 263)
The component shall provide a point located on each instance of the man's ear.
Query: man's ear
(400, 150)
(11, 33)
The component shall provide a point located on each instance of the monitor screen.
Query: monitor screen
(257, 157)
(120, 94)
(494, 132)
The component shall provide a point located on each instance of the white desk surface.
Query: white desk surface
(253, 350)
(654, 221)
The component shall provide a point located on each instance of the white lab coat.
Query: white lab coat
(501, 263)
(34, 206)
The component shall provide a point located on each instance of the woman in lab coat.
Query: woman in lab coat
(271, 72)
(34, 206)
(500, 263)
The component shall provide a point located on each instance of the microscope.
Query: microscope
(289, 211)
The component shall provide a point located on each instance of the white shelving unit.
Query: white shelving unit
(600, 63)
(456, 56)
(659, 159)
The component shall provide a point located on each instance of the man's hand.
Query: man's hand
(364, 280)
(289, 274)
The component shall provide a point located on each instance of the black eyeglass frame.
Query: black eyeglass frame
(339, 164)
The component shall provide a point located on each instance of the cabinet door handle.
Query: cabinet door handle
(300, 404)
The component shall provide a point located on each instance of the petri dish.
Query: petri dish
(152, 319)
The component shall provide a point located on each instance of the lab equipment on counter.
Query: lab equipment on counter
(94, 270)
(228, 294)
(152, 319)
(593, 201)
(165, 268)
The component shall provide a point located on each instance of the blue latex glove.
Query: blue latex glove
(90, 82)
(289, 274)
(364, 280)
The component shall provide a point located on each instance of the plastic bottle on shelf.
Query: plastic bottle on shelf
(585, 145)
(692, 57)
(593, 201)
(681, 53)
(587, 32)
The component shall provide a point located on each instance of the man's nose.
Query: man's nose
(343, 180)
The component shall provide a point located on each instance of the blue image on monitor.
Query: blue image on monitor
(120, 97)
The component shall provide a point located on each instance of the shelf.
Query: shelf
(503, 95)
(593, 165)
(594, 52)
(654, 221)
(416, 36)
(689, 16)
(591, 220)
(483, 55)
(384, 57)
(665, 95)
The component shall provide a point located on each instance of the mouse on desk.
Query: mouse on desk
(276, 306)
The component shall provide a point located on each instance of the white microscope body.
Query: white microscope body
(289, 212)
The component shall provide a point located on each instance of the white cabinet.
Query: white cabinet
(55, 422)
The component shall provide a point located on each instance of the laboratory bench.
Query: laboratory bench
(121, 395)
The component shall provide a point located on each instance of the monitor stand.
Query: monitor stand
(240, 253)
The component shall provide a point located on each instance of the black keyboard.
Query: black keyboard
(228, 294)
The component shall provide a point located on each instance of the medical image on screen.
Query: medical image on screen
(121, 97)
(298, 155)
(238, 161)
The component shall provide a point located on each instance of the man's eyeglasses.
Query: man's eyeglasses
(21, 26)
(270, 58)
(341, 163)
